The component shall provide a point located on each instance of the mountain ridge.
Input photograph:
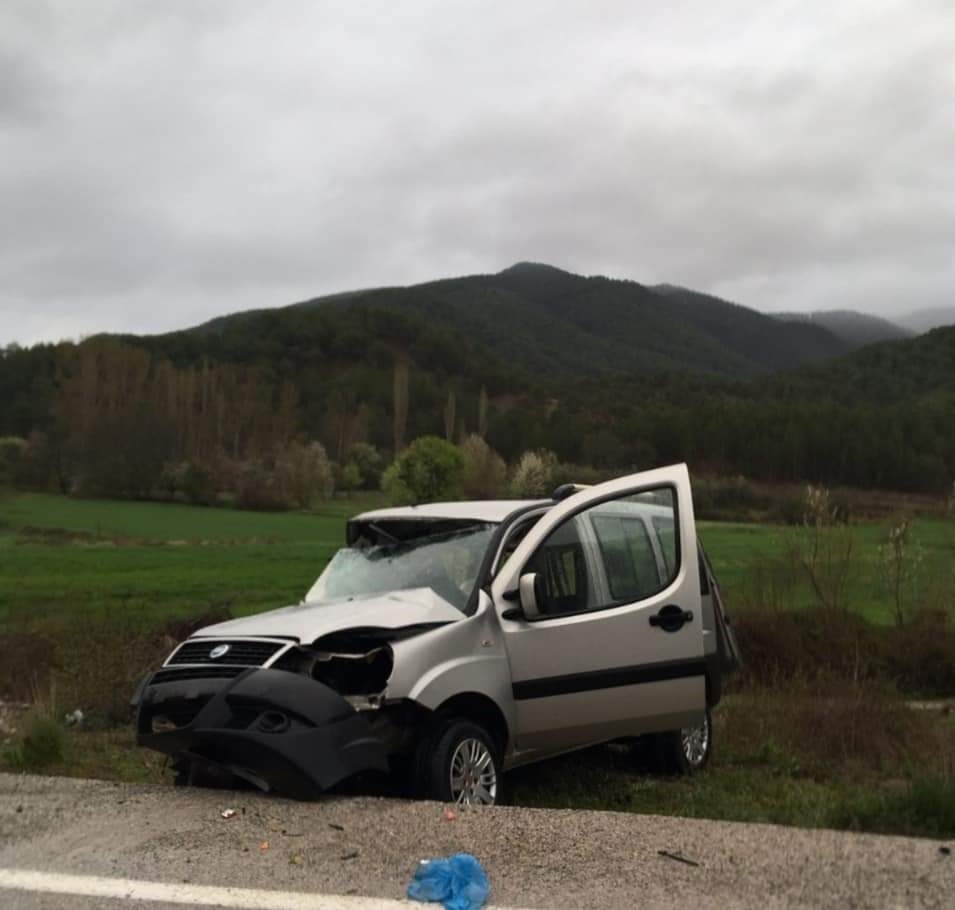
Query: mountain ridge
(552, 322)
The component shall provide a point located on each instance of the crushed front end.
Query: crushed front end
(257, 709)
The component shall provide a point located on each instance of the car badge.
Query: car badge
(219, 651)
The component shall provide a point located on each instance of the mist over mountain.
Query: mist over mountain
(924, 320)
(854, 328)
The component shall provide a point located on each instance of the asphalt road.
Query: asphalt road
(368, 846)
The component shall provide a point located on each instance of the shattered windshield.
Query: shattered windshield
(446, 562)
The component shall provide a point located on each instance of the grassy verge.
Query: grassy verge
(866, 763)
(862, 762)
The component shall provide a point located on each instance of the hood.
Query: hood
(308, 621)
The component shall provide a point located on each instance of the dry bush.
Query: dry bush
(831, 725)
(94, 662)
(920, 656)
(729, 499)
(787, 644)
(29, 659)
(485, 472)
(534, 474)
(782, 645)
(824, 548)
(40, 741)
(101, 661)
(304, 475)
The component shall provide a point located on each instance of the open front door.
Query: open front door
(615, 645)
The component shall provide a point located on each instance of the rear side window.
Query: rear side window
(666, 537)
(637, 541)
(628, 558)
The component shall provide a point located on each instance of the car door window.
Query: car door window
(617, 534)
(561, 564)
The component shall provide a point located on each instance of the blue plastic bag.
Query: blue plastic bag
(458, 882)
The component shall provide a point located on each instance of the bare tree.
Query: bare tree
(449, 413)
(400, 402)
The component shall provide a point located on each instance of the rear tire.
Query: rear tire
(688, 750)
(458, 762)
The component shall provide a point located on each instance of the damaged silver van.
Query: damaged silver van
(450, 642)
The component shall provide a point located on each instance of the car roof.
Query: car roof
(491, 510)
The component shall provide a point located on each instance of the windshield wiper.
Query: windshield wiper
(381, 532)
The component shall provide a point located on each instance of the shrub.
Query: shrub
(350, 477)
(258, 489)
(730, 499)
(367, 462)
(304, 475)
(101, 660)
(534, 474)
(29, 657)
(39, 743)
(430, 469)
(484, 470)
(834, 725)
(12, 454)
(190, 480)
(824, 548)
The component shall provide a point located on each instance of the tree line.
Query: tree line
(136, 418)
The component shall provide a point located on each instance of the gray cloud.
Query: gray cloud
(165, 163)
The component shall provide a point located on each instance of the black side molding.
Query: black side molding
(607, 679)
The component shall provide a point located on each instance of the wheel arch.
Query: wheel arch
(482, 709)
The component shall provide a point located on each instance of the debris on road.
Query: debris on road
(352, 855)
(450, 815)
(678, 857)
(227, 813)
(458, 882)
(264, 846)
(945, 851)
(336, 826)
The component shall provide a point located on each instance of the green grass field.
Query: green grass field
(157, 559)
(162, 560)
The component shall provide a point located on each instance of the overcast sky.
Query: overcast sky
(165, 162)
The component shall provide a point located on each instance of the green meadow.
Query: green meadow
(167, 560)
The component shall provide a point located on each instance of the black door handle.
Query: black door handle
(671, 618)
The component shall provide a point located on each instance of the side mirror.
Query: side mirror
(532, 594)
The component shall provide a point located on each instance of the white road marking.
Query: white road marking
(194, 895)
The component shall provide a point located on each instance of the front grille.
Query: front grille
(242, 652)
(183, 673)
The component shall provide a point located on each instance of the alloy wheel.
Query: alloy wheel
(695, 742)
(473, 775)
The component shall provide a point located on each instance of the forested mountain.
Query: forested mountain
(889, 371)
(855, 329)
(606, 374)
(548, 322)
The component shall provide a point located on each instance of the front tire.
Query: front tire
(688, 750)
(459, 763)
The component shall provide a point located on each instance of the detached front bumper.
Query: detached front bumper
(285, 732)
